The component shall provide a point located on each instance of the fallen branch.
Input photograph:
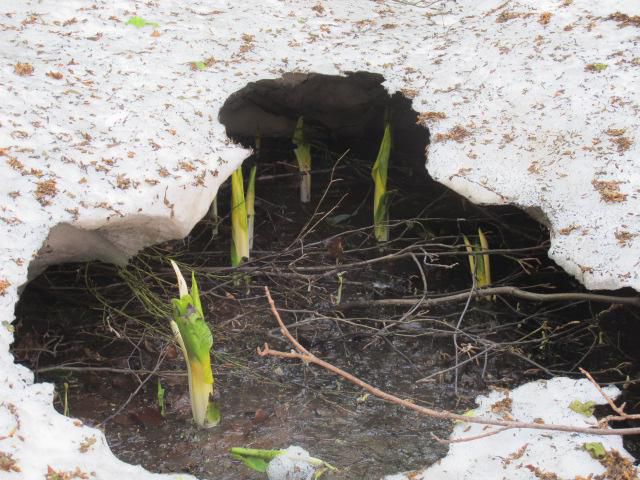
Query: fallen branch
(487, 292)
(619, 410)
(447, 441)
(124, 371)
(303, 354)
(621, 414)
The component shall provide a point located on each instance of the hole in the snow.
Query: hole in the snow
(103, 331)
(339, 112)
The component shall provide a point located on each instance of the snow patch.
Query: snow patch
(508, 454)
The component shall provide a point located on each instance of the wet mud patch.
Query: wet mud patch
(266, 403)
(398, 314)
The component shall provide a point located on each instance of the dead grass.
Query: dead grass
(123, 182)
(625, 20)
(8, 463)
(623, 237)
(618, 467)
(4, 284)
(609, 190)
(616, 132)
(62, 475)
(426, 117)
(186, 166)
(409, 92)
(541, 474)
(622, 143)
(457, 134)
(87, 443)
(23, 69)
(507, 16)
(16, 164)
(502, 406)
(568, 230)
(45, 190)
(595, 67)
(545, 18)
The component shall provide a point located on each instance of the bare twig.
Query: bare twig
(308, 227)
(486, 292)
(455, 333)
(468, 439)
(124, 371)
(619, 410)
(303, 354)
(135, 392)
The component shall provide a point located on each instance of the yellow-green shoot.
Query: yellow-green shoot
(250, 200)
(479, 264)
(196, 341)
(160, 397)
(303, 155)
(239, 221)
(379, 173)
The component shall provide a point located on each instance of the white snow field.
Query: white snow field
(110, 141)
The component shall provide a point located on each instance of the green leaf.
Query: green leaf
(254, 463)
(320, 472)
(298, 133)
(595, 449)
(486, 265)
(161, 404)
(196, 334)
(195, 340)
(479, 264)
(303, 156)
(381, 217)
(583, 408)
(200, 65)
(598, 67)
(213, 414)
(140, 22)
(381, 199)
(239, 222)
(381, 165)
(250, 197)
(302, 150)
(472, 258)
(254, 458)
(195, 295)
(256, 452)
(468, 413)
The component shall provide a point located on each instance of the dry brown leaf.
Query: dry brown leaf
(23, 69)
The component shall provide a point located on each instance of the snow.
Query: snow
(510, 454)
(293, 464)
(111, 142)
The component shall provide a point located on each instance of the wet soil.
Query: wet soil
(75, 321)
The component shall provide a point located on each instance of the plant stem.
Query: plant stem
(215, 219)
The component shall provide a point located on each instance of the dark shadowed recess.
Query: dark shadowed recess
(341, 111)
